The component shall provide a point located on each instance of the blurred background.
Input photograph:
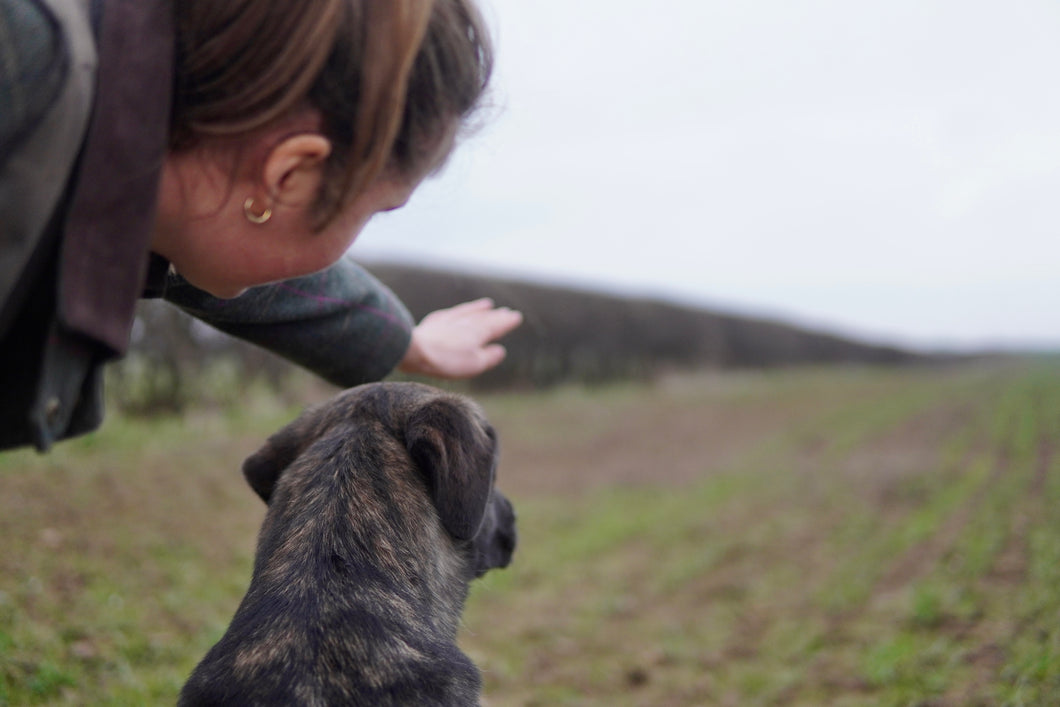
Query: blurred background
(887, 171)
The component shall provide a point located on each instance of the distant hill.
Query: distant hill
(572, 334)
(569, 335)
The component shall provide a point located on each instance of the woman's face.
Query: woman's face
(202, 227)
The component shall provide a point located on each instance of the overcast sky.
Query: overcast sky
(886, 169)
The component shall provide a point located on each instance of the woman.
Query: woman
(194, 149)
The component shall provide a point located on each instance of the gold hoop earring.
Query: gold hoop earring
(248, 211)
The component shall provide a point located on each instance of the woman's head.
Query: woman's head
(383, 84)
(388, 77)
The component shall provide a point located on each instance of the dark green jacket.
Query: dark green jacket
(84, 109)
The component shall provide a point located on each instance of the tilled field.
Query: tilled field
(799, 538)
(803, 537)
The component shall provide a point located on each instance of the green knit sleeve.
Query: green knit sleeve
(341, 323)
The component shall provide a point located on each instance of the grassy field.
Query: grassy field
(812, 537)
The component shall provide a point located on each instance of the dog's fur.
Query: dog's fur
(381, 510)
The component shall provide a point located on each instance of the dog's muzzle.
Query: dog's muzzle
(495, 541)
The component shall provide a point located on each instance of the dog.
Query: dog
(381, 510)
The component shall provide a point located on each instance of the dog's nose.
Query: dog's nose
(497, 538)
(506, 535)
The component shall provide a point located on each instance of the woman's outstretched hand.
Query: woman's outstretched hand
(460, 342)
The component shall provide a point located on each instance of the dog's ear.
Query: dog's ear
(263, 468)
(456, 451)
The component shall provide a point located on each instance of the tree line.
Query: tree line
(569, 335)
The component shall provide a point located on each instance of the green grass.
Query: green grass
(782, 580)
(803, 537)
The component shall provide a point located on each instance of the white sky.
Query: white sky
(886, 169)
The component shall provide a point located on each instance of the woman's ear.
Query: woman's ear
(294, 169)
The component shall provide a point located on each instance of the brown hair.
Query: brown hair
(388, 77)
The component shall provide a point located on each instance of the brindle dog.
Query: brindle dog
(381, 510)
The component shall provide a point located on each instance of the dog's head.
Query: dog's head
(448, 441)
